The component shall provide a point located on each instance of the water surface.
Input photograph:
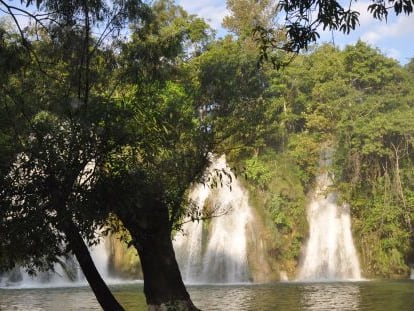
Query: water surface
(369, 296)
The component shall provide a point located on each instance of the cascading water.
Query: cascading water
(188, 243)
(215, 250)
(330, 252)
(66, 273)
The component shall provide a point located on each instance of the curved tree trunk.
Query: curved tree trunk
(97, 284)
(163, 286)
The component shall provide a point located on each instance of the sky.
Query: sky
(394, 38)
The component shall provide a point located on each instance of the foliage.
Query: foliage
(362, 103)
(302, 25)
(231, 95)
(82, 128)
(274, 184)
(88, 113)
(374, 148)
(304, 20)
(246, 15)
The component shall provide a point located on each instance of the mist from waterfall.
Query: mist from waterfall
(330, 252)
(66, 273)
(215, 250)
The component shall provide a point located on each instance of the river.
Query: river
(366, 295)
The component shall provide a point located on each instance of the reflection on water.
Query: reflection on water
(326, 296)
(288, 296)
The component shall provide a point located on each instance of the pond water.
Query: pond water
(369, 295)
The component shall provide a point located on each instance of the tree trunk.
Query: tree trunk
(97, 284)
(163, 286)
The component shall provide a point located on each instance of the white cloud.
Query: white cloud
(400, 27)
(212, 11)
(365, 18)
(393, 53)
(393, 37)
(371, 37)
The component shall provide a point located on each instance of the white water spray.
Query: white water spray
(330, 252)
(65, 274)
(215, 250)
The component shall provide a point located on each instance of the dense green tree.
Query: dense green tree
(69, 125)
(61, 133)
(231, 94)
(172, 149)
(361, 102)
(375, 141)
(246, 15)
(100, 116)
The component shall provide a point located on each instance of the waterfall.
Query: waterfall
(330, 253)
(215, 250)
(65, 273)
(188, 243)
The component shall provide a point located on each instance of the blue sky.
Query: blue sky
(394, 38)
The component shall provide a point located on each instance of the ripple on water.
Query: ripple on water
(326, 296)
(344, 296)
